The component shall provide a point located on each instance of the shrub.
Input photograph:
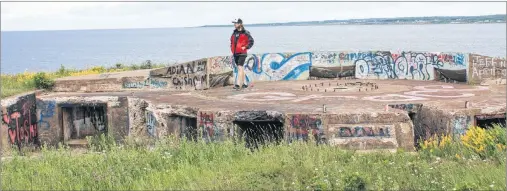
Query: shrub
(354, 182)
(98, 69)
(480, 140)
(476, 141)
(42, 81)
(146, 65)
(63, 71)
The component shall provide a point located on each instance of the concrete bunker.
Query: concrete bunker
(77, 121)
(259, 127)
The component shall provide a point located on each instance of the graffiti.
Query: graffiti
(445, 90)
(483, 67)
(325, 59)
(151, 124)
(88, 121)
(402, 106)
(189, 81)
(439, 91)
(452, 59)
(188, 68)
(46, 110)
(266, 96)
(359, 131)
(21, 121)
(220, 64)
(461, 124)
(420, 93)
(281, 96)
(149, 82)
(301, 124)
(192, 74)
(406, 107)
(404, 65)
(393, 97)
(209, 130)
(274, 67)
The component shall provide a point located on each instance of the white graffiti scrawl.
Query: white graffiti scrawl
(427, 91)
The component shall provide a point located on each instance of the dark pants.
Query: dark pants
(240, 59)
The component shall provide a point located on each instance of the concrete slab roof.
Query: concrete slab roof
(339, 96)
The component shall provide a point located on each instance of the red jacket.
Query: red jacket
(241, 39)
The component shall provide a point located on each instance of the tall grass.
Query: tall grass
(170, 164)
(13, 84)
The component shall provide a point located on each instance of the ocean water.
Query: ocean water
(47, 50)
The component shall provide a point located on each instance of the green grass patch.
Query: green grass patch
(169, 164)
(28, 81)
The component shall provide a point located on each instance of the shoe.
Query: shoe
(244, 86)
(236, 87)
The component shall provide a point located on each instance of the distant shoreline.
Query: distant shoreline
(222, 26)
(485, 19)
(437, 20)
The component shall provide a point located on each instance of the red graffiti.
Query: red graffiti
(302, 124)
(6, 118)
(20, 121)
(206, 122)
(19, 134)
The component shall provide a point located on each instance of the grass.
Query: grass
(228, 166)
(13, 84)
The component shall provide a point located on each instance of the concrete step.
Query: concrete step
(77, 143)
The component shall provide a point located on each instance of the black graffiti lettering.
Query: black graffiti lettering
(190, 68)
(176, 81)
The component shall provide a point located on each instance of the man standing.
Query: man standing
(241, 41)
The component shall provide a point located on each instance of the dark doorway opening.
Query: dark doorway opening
(257, 133)
(187, 127)
(80, 121)
(488, 121)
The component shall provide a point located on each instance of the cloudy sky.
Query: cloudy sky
(114, 15)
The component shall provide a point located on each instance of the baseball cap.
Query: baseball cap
(239, 21)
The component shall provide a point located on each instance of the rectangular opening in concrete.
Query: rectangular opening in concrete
(186, 126)
(259, 132)
(80, 121)
(487, 121)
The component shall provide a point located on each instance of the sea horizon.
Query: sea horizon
(46, 51)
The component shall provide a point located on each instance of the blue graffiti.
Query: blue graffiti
(146, 83)
(459, 59)
(46, 111)
(257, 67)
(150, 123)
(294, 74)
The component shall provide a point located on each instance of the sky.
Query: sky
(29, 16)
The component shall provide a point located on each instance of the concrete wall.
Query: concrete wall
(266, 67)
(52, 120)
(485, 68)
(19, 122)
(220, 71)
(366, 65)
(186, 76)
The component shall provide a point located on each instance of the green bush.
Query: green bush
(42, 81)
(146, 65)
(354, 182)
